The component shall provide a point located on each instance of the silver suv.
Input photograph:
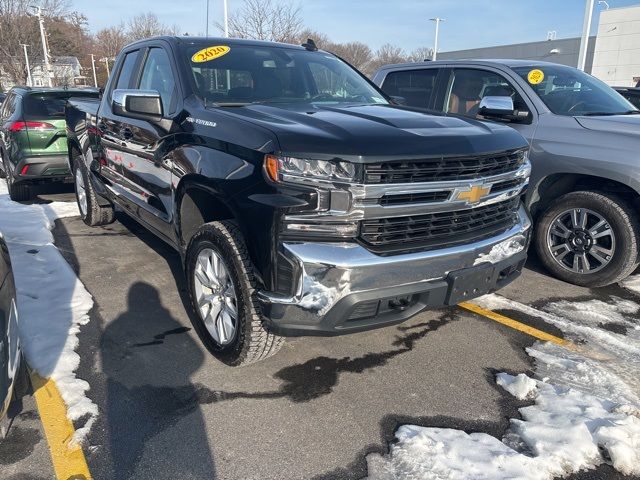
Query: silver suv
(585, 151)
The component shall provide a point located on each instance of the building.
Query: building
(563, 51)
(65, 72)
(613, 55)
(617, 52)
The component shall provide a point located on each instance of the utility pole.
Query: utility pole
(26, 59)
(226, 19)
(106, 64)
(586, 30)
(45, 48)
(93, 67)
(207, 27)
(435, 46)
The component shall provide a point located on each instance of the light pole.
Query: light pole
(207, 27)
(226, 19)
(26, 59)
(586, 29)
(93, 66)
(45, 48)
(106, 64)
(435, 46)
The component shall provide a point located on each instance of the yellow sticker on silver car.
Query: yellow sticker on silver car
(535, 76)
(210, 53)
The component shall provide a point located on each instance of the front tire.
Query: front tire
(588, 238)
(222, 288)
(91, 212)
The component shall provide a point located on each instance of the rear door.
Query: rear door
(113, 147)
(141, 147)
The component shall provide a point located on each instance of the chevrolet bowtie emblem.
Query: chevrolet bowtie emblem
(474, 194)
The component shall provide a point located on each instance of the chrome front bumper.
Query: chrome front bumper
(337, 285)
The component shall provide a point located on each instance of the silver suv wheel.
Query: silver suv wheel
(581, 240)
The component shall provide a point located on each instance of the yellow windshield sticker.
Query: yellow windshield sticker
(210, 53)
(535, 77)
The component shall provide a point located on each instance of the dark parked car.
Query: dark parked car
(13, 373)
(33, 140)
(630, 93)
(301, 200)
(585, 138)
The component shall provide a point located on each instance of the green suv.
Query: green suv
(33, 138)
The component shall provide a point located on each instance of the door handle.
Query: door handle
(126, 133)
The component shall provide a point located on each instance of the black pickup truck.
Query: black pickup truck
(301, 199)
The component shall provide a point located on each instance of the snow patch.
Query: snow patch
(502, 250)
(52, 302)
(520, 386)
(564, 432)
(632, 284)
(586, 410)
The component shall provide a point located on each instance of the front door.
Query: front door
(469, 85)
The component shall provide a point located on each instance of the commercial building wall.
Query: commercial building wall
(617, 53)
(565, 52)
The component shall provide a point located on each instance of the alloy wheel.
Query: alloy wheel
(81, 192)
(217, 301)
(581, 240)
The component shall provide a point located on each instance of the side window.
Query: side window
(124, 77)
(468, 86)
(157, 75)
(415, 86)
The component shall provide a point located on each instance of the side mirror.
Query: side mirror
(497, 107)
(142, 104)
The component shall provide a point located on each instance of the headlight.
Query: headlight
(281, 169)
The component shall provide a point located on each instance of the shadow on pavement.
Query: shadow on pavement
(148, 389)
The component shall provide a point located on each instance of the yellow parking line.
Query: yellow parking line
(68, 460)
(509, 322)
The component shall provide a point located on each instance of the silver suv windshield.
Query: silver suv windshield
(235, 75)
(571, 92)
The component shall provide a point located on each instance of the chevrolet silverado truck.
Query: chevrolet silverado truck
(300, 198)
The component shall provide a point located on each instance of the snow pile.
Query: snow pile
(52, 302)
(586, 410)
(502, 250)
(564, 432)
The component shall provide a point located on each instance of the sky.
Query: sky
(468, 23)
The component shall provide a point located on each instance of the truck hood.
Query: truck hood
(627, 124)
(361, 132)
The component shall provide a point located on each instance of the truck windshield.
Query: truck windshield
(244, 74)
(571, 92)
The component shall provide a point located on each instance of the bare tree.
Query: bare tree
(17, 28)
(109, 41)
(356, 53)
(421, 54)
(266, 20)
(387, 54)
(147, 25)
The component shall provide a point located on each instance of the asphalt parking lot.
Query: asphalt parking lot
(315, 410)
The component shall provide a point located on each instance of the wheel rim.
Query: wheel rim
(216, 296)
(581, 241)
(81, 192)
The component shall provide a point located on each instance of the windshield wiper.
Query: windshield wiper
(608, 114)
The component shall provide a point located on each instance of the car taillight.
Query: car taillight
(18, 126)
